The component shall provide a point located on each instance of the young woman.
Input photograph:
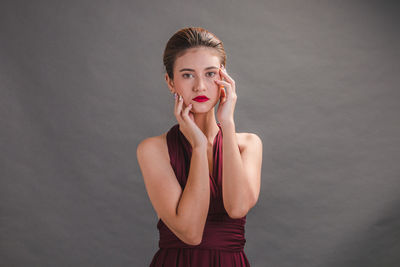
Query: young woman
(201, 176)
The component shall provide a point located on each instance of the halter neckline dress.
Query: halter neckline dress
(223, 239)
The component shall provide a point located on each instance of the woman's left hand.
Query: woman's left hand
(228, 98)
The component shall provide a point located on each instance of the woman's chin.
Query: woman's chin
(199, 110)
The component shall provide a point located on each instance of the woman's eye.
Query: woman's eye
(185, 75)
(213, 73)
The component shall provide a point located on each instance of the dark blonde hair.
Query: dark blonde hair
(190, 37)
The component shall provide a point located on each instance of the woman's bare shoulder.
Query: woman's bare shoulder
(154, 143)
(246, 139)
(150, 149)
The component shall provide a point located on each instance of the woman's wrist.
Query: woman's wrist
(200, 147)
(227, 124)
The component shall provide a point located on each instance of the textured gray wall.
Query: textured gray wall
(81, 84)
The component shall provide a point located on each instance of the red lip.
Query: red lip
(200, 98)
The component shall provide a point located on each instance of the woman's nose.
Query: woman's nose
(200, 84)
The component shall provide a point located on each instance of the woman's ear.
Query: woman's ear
(170, 83)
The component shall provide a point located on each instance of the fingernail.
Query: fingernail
(180, 97)
(175, 95)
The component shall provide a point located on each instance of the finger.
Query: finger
(179, 108)
(180, 104)
(222, 92)
(222, 88)
(226, 75)
(228, 87)
(176, 102)
(223, 96)
(228, 78)
(191, 116)
(185, 113)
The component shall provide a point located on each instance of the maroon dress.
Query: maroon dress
(223, 237)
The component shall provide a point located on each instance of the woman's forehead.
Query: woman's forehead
(199, 58)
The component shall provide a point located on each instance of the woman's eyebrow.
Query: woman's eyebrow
(208, 68)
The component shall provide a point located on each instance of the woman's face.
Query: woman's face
(194, 75)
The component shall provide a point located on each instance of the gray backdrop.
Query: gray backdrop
(82, 84)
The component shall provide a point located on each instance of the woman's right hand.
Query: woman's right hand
(187, 125)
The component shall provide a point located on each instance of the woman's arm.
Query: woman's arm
(195, 200)
(184, 212)
(241, 172)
